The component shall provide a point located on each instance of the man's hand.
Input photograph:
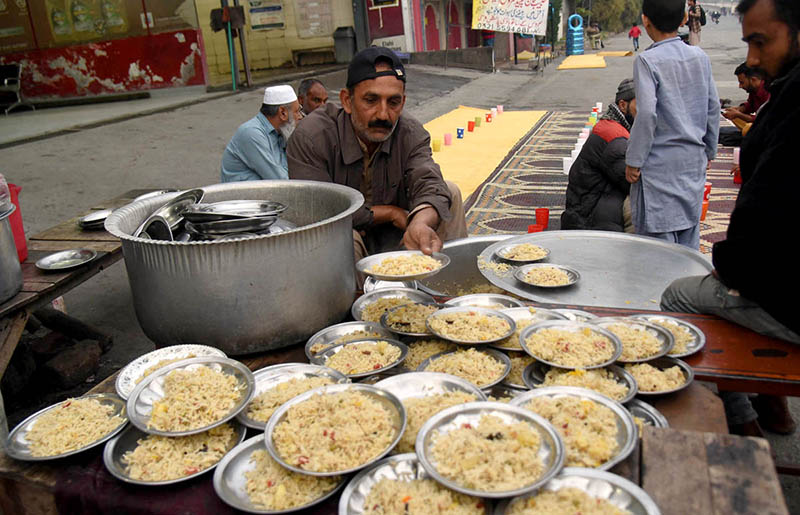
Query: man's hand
(397, 216)
(632, 174)
(731, 113)
(420, 233)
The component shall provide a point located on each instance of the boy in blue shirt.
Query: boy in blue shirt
(676, 129)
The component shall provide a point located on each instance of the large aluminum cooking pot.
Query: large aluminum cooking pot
(251, 294)
(10, 271)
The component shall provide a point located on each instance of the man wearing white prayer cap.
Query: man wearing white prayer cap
(258, 148)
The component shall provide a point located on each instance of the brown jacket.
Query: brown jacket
(324, 148)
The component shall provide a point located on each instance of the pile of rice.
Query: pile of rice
(683, 337)
(275, 488)
(349, 337)
(335, 431)
(264, 404)
(410, 318)
(400, 266)
(162, 363)
(651, 379)
(492, 457)
(475, 366)
(518, 364)
(504, 400)
(74, 424)
(547, 276)
(589, 429)
(373, 311)
(525, 252)
(512, 342)
(479, 288)
(600, 380)
(636, 343)
(499, 269)
(469, 326)
(420, 409)
(358, 358)
(194, 399)
(160, 458)
(421, 350)
(391, 497)
(574, 349)
(565, 501)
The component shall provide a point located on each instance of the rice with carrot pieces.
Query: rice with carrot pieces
(518, 364)
(161, 458)
(359, 358)
(421, 350)
(512, 342)
(393, 497)
(401, 266)
(162, 363)
(601, 381)
(588, 428)
(683, 337)
(576, 349)
(564, 501)
(420, 409)
(410, 318)
(652, 379)
(493, 456)
(547, 276)
(349, 337)
(335, 431)
(264, 404)
(479, 368)
(373, 311)
(637, 342)
(525, 252)
(74, 424)
(469, 326)
(194, 399)
(271, 486)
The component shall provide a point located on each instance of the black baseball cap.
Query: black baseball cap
(362, 66)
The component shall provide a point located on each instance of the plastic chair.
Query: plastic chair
(10, 75)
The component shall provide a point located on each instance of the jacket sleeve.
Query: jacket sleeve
(644, 128)
(614, 164)
(424, 179)
(712, 129)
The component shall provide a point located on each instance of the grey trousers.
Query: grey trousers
(707, 295)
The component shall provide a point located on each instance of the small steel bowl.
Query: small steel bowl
(496, 354)
(512, 326)
(365, 264)
(325, 356)
(503, 250)
(65, 260)
(385, 320)
(329, 336)
(368, 298)
(525, 313)
(485, 300)
(569, 325)
(533, 375)
(663, 335)
(521, 273)
(665, 362)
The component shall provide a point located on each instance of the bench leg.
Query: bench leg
(10, 332)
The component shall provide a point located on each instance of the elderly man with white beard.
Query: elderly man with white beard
(258, 148)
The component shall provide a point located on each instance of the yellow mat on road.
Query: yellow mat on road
(616, 53)
(578, 62)
(469, 161)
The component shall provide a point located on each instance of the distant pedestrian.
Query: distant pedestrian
(675, 132)
(695, 20)
(634, 34)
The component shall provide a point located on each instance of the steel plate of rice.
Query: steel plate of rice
(275, 488)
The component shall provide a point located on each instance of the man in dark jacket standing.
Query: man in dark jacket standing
(597, 190)
(756, 279)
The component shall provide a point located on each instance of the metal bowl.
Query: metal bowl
(270, 377)
(128, 440)
(230, 483)
(551, 451)
(94, 220)
(154, 228)
(699, 336)
(533, 375)
(665, 362)
(521, 273)
(512, 326)
(325, 356)
(569, 325)
(173, 210)
(368, 298)
(329, 336)
(233, 210)
(485, 300)
(387, 399)
(402, 467)
(599, 484)
(626, 427)
(575, 314)
(371, 284)
(524, 313)
(503, 250)
(65, 260)
(385, 320)
(226, 227)
(151, 390)
(17, 447)
(651, 416)
(365, 264)
(664, 337)
(496, 354)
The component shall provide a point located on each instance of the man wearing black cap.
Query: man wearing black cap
(597, 193)
(369, 145)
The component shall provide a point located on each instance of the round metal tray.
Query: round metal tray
(227, 227)
(128, 440)
(323, 357)
(233, 210)
(512, 326)
(626, 427)
(524, 313)
(127, 377)
(665, 362)
(94, 220)
(576, 315)
(423, 384)
(151, 390)
(65, 260)
(329, 335)
(385, 317)
(230, 483)
(569, 325)
(502, 251)
(496, 354)
(363, 266)
(402, 467)
(663, 335)
(269, 377)
(535, 372)
(368, 298)
(551, 451)
(651, 416)
(387, 399)
(573, 275)
(699, 336)
(600, 484)
(17, 447)
(485, 300)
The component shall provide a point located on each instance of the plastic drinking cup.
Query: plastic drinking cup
(448, 139)
(499, 109)
(477, 121)
(460, 133)
(494, 112)
(470, 126)
(488, 117)
(542, 216)
(707, 192)
(437, 145)
(535, 228)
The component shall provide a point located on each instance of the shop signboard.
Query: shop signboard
(266, 15)
(518, 16)
(15, 29)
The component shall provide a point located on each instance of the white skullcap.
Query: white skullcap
(279, 95)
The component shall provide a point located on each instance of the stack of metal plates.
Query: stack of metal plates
(231, 218)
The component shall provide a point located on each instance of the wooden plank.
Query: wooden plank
(694, 409)
(25, 498)
(743, 477)
(18, 301)
(630, 468)
(58, 245)
(675, 471)
(70, 231)
(35, 287)
(10, 332)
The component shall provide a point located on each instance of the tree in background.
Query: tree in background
(612, 15)
(553, 16)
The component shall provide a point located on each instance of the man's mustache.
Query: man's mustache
(380, 124)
